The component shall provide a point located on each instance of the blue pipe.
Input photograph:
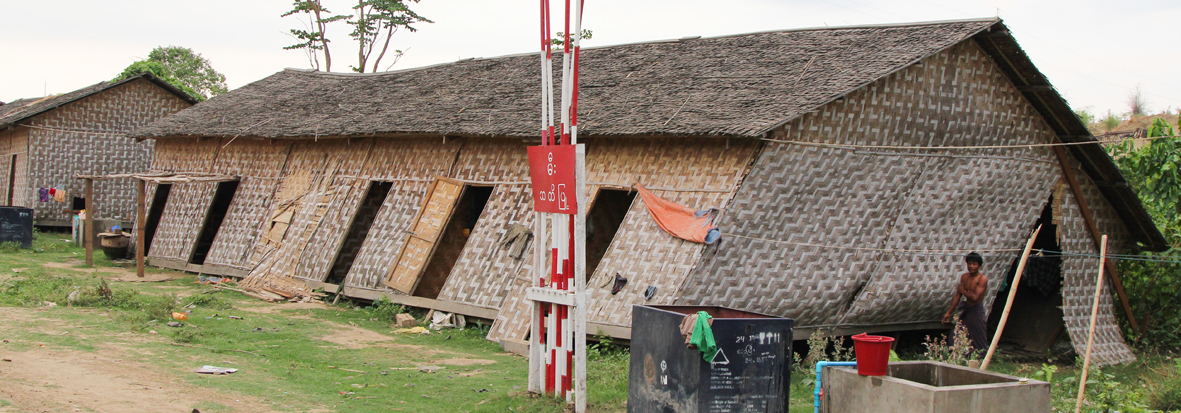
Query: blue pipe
(819, 367)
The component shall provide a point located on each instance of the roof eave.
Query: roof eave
(1000, 44)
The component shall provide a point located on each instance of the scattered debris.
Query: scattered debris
(234, 317)
(441, 320)
(215, 370)
(347, 392)
(5, 341)
(8, 360)
(480, 391)
(405, 320)
(180, 316)
(153, 332)
(175, 324)
(430, 369)
(415, 330)
(17, 270)
(49, 304)
(353, 371)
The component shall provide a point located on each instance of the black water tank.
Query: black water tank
(16, 225)
(750, 373)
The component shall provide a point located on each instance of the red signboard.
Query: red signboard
(552, 170)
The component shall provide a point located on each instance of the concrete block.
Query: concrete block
(405, 321)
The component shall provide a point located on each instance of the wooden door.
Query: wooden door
(425, 231)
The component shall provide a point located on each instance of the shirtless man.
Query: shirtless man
(972, 286)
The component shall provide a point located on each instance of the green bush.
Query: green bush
(385, 310)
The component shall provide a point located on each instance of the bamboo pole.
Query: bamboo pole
(89, 230)
(1082, 383)
(1000, 328)
(140, 221)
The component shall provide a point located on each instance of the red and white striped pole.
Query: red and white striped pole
(557, 364)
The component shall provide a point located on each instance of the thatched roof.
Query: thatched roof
(22, 109)
(742, 85)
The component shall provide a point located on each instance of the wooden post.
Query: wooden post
(1000, 328)
(89, 230)
(1082, 383)
(141, 219)
(1085, 210)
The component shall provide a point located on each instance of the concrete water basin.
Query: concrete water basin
(927, 386)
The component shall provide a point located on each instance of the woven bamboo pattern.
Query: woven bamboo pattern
(15, 142)
(485, 272)
(70, 147)
(641, 251)
(409, 164)
(424, 235)
(260, 164)
(187, 204)
(841, 198)
(1078, 286)
(330, 220)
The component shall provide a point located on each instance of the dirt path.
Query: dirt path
(46, 379)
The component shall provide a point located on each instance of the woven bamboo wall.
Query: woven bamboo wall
(340, 199)
(410, 165)
(699, 173)
(1078, 288)
(299, 204)
(15, 142)
(827, 201)
(87, 137)
(187, 203)
(260, 164)
(484, 274)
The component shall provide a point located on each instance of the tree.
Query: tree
(376, 19)
(315, 39)
(1154, 172)
(181, 67)
(374, 23)
(1136, 102)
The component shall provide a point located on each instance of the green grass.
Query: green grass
(285, 361)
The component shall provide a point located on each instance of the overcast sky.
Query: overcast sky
(1094, 52)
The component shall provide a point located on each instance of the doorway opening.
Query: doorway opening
(11, 180)
(78, 203)
(159, 200)
(602, 223)
(454, 237)
(1035, 322)
(358, 230)
(222, 197)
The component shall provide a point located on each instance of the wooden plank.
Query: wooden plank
(420, 244)
(421, 302)
(89, 230)
(1085, 210)
(140, 220)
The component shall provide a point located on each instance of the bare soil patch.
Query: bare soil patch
(44, 378)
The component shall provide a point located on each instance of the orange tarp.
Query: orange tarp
(678, 220)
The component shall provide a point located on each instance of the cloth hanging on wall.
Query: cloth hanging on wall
(59, 195)
(681, 221)
(515, 239)
(43, 194)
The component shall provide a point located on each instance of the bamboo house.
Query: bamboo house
(45, 142)
(405, 184)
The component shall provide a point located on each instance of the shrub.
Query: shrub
(959, 351)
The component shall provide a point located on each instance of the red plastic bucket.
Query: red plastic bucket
(873, 354)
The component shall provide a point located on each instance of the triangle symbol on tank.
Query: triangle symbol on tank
(723, 359)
